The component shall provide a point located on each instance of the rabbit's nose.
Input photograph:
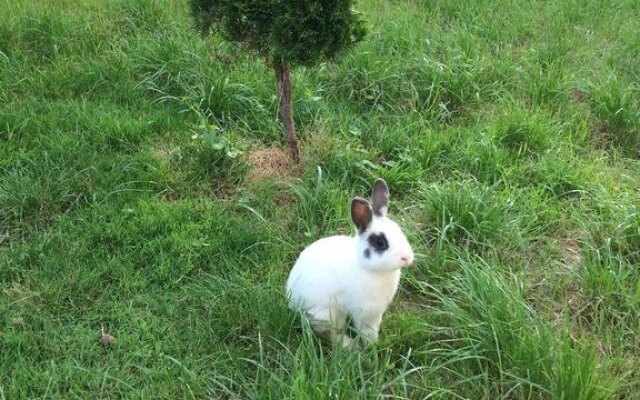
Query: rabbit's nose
(407, 259)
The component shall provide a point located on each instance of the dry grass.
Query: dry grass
(271, 162)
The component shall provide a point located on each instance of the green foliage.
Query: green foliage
(485, 328)
(467, 217)
(617, 104)
(299, 32)
(129, 201)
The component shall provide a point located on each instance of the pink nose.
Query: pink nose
(408, 259)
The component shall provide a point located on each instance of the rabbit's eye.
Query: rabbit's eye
(379, 242)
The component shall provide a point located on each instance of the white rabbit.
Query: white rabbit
(355, 276)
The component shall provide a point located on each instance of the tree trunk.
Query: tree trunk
(283, 77)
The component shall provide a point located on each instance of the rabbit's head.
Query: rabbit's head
(381, 244)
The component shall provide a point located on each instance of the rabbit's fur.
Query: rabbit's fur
(352, 276)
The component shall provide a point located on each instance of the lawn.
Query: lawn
(144, 193)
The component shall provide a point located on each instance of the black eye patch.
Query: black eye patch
(379, 242)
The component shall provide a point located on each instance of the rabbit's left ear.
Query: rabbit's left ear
(380, 198)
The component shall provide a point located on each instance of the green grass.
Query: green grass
(509, 134)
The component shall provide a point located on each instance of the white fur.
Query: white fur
(332, 279)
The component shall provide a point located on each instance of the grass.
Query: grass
(510, 138)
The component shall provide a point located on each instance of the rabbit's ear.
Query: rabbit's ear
(380, 198)
(361, 213)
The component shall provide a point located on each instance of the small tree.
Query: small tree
(284, 33)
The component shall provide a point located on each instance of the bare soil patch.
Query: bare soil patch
(271, 162)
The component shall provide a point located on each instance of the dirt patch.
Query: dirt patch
(572, 309)
(578, 308)
(271, 162)
(164, 152)
(601, 135)
(284, 198)
(578, 95)
(605, 139)
(575, 309)
(572, 253)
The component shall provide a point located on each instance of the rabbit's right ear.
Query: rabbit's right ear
(361, 213)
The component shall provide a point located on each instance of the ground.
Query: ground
(149, 217)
